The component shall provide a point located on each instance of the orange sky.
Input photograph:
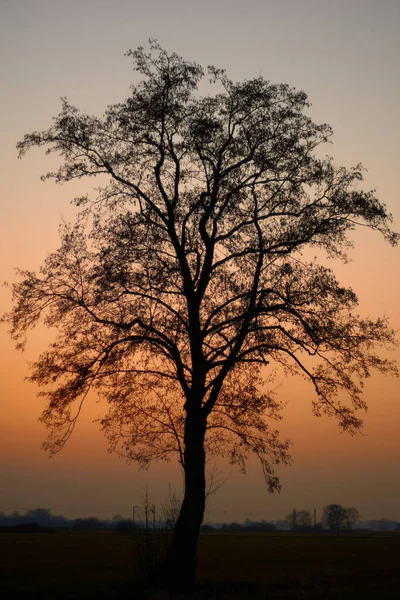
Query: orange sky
(345, 58)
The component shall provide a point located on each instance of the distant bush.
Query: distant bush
(249, 526)
(90, 524)
(207, 528)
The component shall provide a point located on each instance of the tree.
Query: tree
(291, 519)
(40, 515)
(334, 516)
(190, 272)
(304, 520)
(352, 516)
(299, 519)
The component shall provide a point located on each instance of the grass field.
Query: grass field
(275, 566)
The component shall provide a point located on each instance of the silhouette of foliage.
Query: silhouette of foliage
(88, 524)
(334, 516)
(189, 273)
(299, 520)
(352, 516)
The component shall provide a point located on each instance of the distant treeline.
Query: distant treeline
(375, 525)
(42, 519)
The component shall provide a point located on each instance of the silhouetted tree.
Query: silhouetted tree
(190, 272)
(291, 520)
(40, 515)
(304, 520)
(88, 524)
(299, 519)
(117, 519)
(334, 516)
(352, 516)
(257, 526)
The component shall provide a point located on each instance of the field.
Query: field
(274, 565)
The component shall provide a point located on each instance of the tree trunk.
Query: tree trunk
(179, 566)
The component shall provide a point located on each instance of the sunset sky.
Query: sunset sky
(345, 55)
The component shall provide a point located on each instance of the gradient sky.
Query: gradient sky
(344, 54)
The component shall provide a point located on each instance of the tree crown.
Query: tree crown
(189, 273)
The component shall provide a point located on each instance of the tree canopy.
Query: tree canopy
(191, 271)
(336, 517)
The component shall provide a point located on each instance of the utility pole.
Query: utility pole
(315, 518)
(294, 519)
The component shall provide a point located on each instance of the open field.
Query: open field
(272, 565)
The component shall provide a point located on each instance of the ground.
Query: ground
(233, 566)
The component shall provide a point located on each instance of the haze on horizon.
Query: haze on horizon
(344, 56)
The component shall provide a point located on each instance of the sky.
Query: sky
(344, 54)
